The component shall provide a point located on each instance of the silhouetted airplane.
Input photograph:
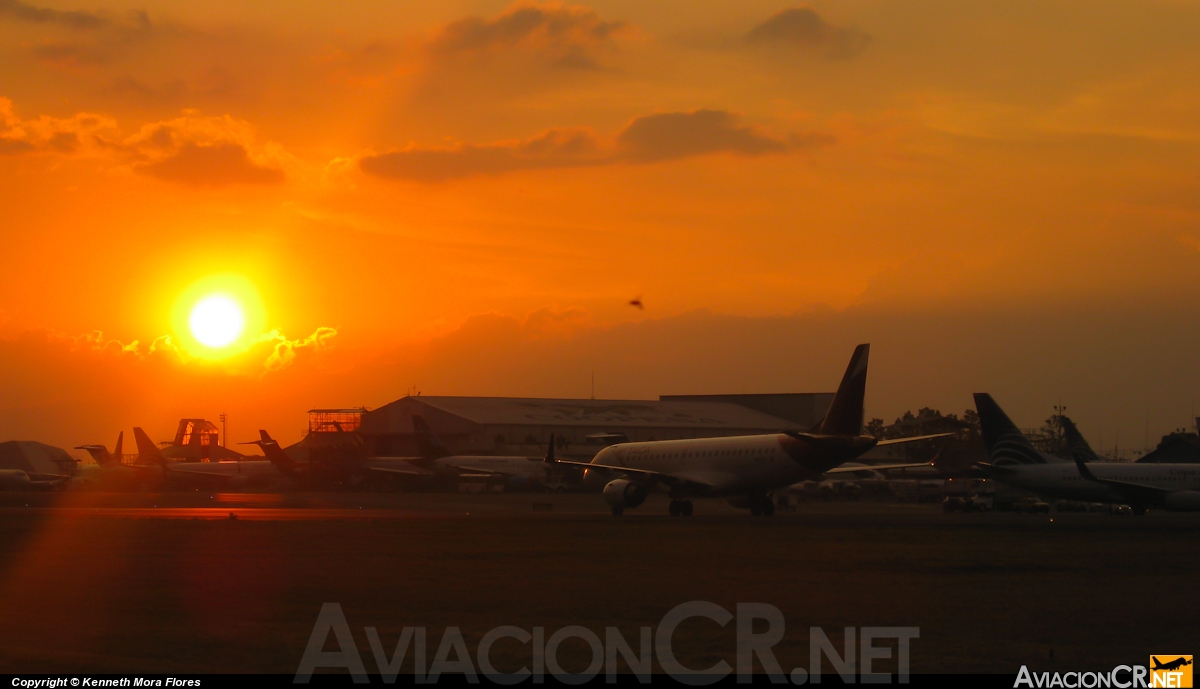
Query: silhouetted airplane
(226, 474)
(1173, 487)
(101, 454)
(638, 303)
(742, 468)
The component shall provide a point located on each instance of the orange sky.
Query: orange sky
(464, 196)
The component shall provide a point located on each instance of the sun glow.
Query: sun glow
(217, 321)
(219, 316)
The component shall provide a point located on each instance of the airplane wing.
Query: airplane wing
(876, 467)
(1136, 493)
(609, 467)
(645, 475)
(915, 438)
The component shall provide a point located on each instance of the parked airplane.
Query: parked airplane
(743, 469)
(344, 464)
(515, 471)
(225, 474)
(1173, 487)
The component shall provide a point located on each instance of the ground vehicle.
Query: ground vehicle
(1031, 505)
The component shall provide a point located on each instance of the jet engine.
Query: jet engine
(623, 493)
(1183, 501)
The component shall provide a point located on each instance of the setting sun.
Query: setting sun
(217, 321)
(218, 316)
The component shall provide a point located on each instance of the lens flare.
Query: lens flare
(217, 321)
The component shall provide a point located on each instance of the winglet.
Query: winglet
(117, 456)
(550, 451)
(845, 415)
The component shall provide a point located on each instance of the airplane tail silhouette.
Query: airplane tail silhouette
(117, 451)
(1075, 441)
(275, 454)
(101, 454)
(148, 452)
(1006, 445)
(430, 446)
(845, 415)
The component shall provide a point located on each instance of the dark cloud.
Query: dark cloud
(74, 19)
(216, 165)
(648, 139)
(555, 148)
(803, 28)
(671, 135)
(567, 35)
(10, 146)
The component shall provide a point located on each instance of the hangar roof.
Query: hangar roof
(526, 411)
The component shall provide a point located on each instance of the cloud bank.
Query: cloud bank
(648, 139)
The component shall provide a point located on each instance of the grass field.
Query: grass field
(90, 588)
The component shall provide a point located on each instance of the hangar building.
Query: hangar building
(516, 425)
(39, 460)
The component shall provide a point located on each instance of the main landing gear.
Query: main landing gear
(761, 506)
(681, 508)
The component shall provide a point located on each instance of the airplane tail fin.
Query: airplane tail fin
(98, 453)
(275, 454)
(845, 416)
(148, 452)
(1005, 442)
(550, 451)
(118, 451)
(1075, 441)
(427, 441)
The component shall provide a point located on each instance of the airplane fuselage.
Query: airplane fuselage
(1064, 480)
(735, 465)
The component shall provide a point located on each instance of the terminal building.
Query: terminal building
(581, 427)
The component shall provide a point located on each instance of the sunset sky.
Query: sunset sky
(464, 197)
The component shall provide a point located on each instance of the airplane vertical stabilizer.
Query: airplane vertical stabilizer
(116, 455)
(148, 452)
(427, 441)
(1005, 442)
(845, 416)
(1076, 442)
(275, 454)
